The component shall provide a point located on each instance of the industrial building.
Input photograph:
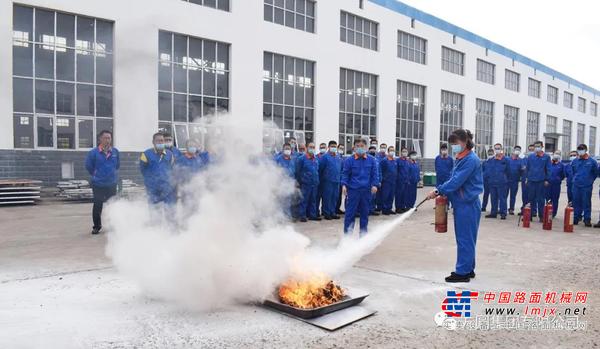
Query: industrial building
(319, 70)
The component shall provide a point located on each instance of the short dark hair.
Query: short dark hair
(103, 132)
(332, 143)
(373, 140)
(156, 135)
(462, 135)
(372, 147)
(403, 148)
(294, 138)
(538, 142)
(517, 147)
(582, 147)
(286, 144)
(412, 152)
(498, 144)
(360, 140)
(322, 144)
(444, 146)
(382, 144)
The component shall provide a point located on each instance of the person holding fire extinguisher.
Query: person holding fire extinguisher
(463, 190)
(538, 174)
(557, 174)
(585, 171)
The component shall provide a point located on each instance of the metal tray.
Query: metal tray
(346, 302)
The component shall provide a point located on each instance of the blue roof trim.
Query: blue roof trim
(476, 39)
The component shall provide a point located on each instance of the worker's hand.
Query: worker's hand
(432, 195)
(546, 183)
(373, 189)
(344, 191)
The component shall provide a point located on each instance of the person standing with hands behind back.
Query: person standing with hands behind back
(463, 189)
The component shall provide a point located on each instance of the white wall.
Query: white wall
(136, 77)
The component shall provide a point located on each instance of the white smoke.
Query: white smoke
(229, 240)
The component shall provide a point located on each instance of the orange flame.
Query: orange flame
(308, 294)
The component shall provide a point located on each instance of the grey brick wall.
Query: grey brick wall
(46, 165)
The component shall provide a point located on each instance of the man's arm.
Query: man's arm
(89, 162)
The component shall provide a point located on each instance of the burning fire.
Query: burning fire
(309, 294)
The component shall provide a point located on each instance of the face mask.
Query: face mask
(312, 151)
(580, 152)
(497, 151)
(340, 151)
(382, 150)
(404, 154)
(572, 157)
(293, 145)
(322, 150)
(360, 151)
(287, 152)
(169, 145)
(538, 149)
(373, 145)
(444, 152)
(556, 157)
(517, 152)
(456, 149)
(192, 150)
(303, 151)
(333, 149)
(392, 153)
(413, 157)
(160, 146)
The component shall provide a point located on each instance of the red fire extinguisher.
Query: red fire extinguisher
(547, 220)
(526, 216)
(568, 228)
(441, 214)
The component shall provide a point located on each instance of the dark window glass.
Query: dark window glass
(45, 132)
(105, 124)
(104, 100)
(194, 108)
(85, 33)
(23, 95)
(65, 30)
(65, 64)
(104, 36)
(44, 26)
(22, 59)
(104, 69)
(44, 61)
(86, 133)
(85, 66)
(180, 107)
(23, 22)
(164, 106)
(44, 97)
(23, 131)
(65, 98)
(85, 99)
(65, 133)
(195, 81)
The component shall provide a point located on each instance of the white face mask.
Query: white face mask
(404, 154)
(517, 152)
(444, 152)
(413, 157)
(392, 153)
(287, 152)
(340, 151)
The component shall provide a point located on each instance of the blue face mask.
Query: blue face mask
(333, 149)
(160, 146)
(311, 151)
(322, 150)
(572, 158)
(192, 150)
(580, 152)
(456, 149)
(360, 151)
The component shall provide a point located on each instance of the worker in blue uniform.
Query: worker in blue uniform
(557, 174)
(307, 175)
(486, 187)
(538, 176)
(342, 154)
(373, 153)
(389, 175)
(585, 171)
(402, 181)
(463, 189)
(188, 163)
(170, 145)
(102, 163)
(330, 173)
(156, 165)
(288, 164)
(498, 171)
(524, 194)
(319, 202)
(359, 182)
(443, 165)
(569, 175)
(381, 155)
(516, 167)
(414, 177)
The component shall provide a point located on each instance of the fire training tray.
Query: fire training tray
(346, 302)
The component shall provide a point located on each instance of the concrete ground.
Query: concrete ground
(58, 289)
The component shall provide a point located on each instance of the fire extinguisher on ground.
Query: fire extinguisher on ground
(526, 216)
(547, 221)
(568, 228)
(441, 214)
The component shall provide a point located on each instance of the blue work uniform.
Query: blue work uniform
(330, 173)
(156, 168)
(538, 172)
(402, 183)
(288, 164)
(339, 201)
(498, 171)
(103, 166)
(389, 177)
(319, 201)
(516, 167)
(557, 174)
(569, 175)
(413, 180)
(443, 169)
(463, 189)
(486, 187)
(380, 156)
(359, 176)
(585, 171)
(186, 166)
(307, 175)
(374, 204)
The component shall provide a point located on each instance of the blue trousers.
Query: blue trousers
(553, 194)
(388, 190)
(498, 193)
(359, 200)
(466, 226)
(524, 195)
(330, 194)
(582, 203)
(513, 189)
(486, 194)
(165, 195)
(537, 195)
(401, 193)
(373, 202)
(570, 191)
(308, 205)
(411, 195)
(379, 200)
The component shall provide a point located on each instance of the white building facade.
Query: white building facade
(325, 70)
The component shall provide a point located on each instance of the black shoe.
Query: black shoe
(472, 275)
(490, 216)
(588, 223)
(503, 217)
(386, 213)
(328, 218)
(315, 219)
(303, 220)
(457, 278)
(483, 209)
(378, 210)
(374, 213)
(393, 212)
(511, 212)
(96, 231)
(399, 210)
(335, 216)
(339, 212)
(597, 225)
(575, 222)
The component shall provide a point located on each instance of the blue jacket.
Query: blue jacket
(557, 172)
(585, 172)
(538, 168)
(360, 172)
(403, 170)
(307, 170)
(466, 182)
(569, 172)
(517, 169)
(330, 168)
(186, 167)
(414, 172)
(157, 170)
(287, 163)
(389, 170)
(443, 168)
(497, 170)
(103, 167)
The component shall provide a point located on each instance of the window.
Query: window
(62, 79)
(486, 72)
(568, 100)
(484, 126)
(580, 133)
(533, 127)
(358, 31)
(358, 106)
(412, 48)
(511, 128)
(512, 80)
(551, 124)
(593, 109)
(451, 114)
(453, 61)
(218, 4)
(567, 131)
(552, 94)
(592, 142)
(299, 14)
(534, 88)
(288, 94)
(581, 104)
(410, 117)
(193, 82)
